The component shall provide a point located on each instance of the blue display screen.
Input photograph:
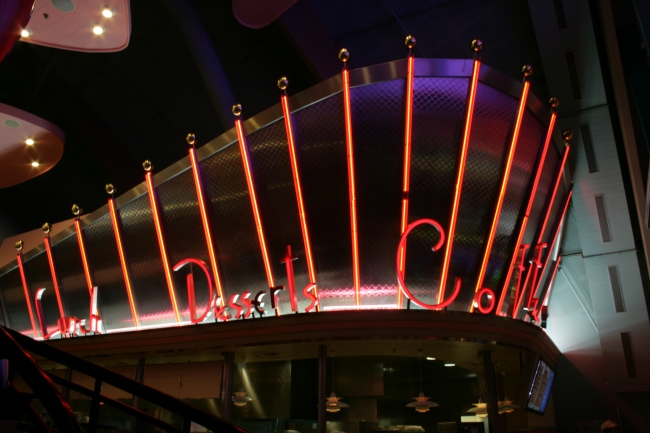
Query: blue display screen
(540, 388)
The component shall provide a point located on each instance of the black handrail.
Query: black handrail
(117, 404)
(38, 381)
(101, 375)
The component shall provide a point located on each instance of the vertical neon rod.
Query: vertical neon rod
(531, 200)
(551, 244)
(502, 191)
(408, 133)
(125, 269)
(55, 280)
(351, 185)
(298, 188)
(19, 259)
(555, 188)
(161, 244)
(471, 99)
(206, 222)
(84, 258)
(251, 192)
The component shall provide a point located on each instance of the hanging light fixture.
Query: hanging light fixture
(240, 398)
(506, 406)
(480, 410)
(334, 403)
(421, 403)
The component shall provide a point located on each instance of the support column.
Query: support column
(322, 388)
(139, 377)
(491, 396)
(66, 391)
(226, 385)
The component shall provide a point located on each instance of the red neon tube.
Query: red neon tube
(251, 191)
(555, 188)
(408, 132)
(55, 280)
(125, 269)
(204, 218)
(551, 244)
(504, 185)
(471, 99)
(297, 186)
(19, 259)
(161, 245)
(531, 200)
(351, 184)
(84, 258)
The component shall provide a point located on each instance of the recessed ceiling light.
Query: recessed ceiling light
(25, 33)
(108, 12)
(35, 164)
(98, 29)
(450, 365)
(29, 142)
(429, 358)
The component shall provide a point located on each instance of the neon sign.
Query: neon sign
(327, 269)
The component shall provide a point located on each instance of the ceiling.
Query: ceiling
(118, 109)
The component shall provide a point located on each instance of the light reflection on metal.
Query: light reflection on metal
(408, 133)
(556, 235)
(362, 307)
(471, 99)
(521, 254)
(161, 243)
(23, 278)
(123, 265)
(55, 280)
(253, 196)
(551, 280)
(84, 258)
(298, 188)
(196, 171)
(531, 200)
(347, 108)
(502, 190)
(556, 186)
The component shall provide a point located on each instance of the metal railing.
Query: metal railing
(14, 346)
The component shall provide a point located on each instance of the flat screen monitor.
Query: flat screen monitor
(540, 388)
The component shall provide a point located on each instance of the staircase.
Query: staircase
(17, 412)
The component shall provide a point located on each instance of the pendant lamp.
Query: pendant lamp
(421, 403)
(480, 410)
(334, 403)
(240, 398)
(506, 406)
